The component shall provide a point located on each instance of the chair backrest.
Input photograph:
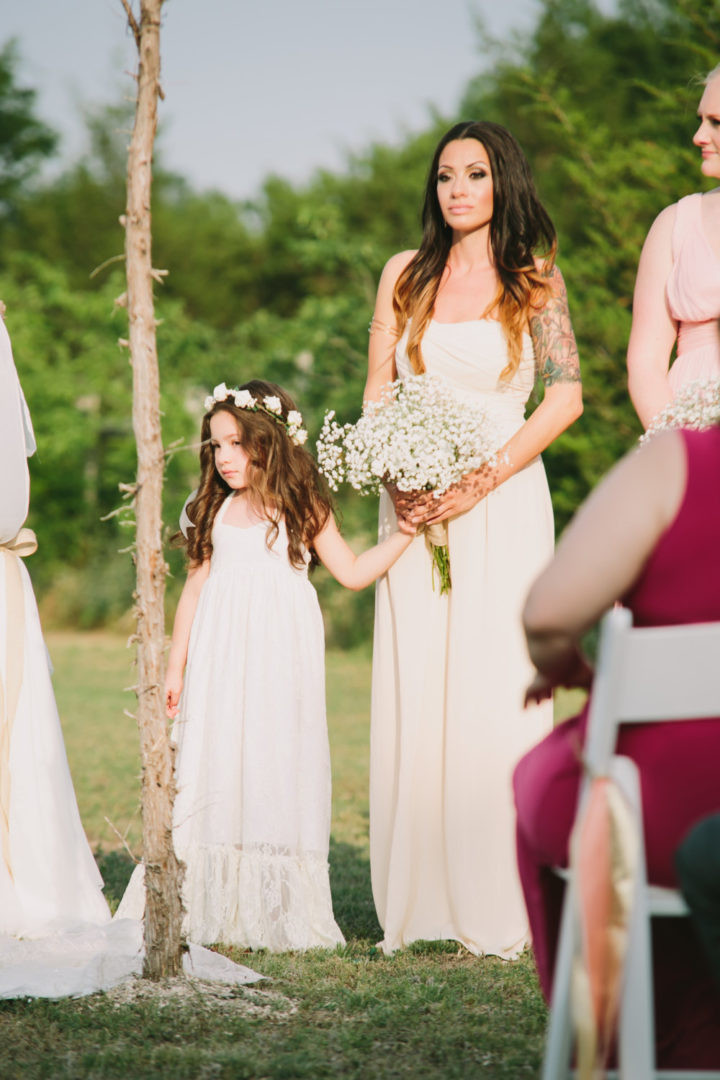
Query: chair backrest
(649, 674)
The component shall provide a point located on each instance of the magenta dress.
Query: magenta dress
(680, 778)
(693, 296)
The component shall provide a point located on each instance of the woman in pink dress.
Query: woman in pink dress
(677, 292)
(649, 536)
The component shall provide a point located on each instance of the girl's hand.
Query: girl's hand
(406, 527)
(173, 688)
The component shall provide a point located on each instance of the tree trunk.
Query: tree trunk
(163, 871)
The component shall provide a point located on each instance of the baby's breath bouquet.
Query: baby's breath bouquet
(418, 437)
(696, 405)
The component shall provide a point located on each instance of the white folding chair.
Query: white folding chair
(643, 674)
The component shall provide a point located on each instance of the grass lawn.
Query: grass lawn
(431, 1011)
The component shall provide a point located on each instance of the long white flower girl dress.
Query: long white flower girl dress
(252, 813)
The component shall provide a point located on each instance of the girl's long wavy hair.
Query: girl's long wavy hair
(282, 480)
(519, 225)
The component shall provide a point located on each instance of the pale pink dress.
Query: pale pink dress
(693, 295)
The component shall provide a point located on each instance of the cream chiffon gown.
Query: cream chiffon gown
(449, 674)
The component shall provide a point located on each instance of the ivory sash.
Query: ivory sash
(21, 546)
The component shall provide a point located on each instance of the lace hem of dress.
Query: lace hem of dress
(258, 898)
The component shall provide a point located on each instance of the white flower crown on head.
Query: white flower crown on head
(270, 405)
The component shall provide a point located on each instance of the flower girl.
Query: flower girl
(245, 678)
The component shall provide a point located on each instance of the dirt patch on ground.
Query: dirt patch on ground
(198, 994)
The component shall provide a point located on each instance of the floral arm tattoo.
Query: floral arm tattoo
(556, 355)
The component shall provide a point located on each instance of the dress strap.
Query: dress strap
(221, 512)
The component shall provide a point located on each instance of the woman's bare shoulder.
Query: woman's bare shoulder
(662, 227)
(396, 263)
(391, 272)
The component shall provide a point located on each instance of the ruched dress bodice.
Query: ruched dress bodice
(693, 296)
(470, 357)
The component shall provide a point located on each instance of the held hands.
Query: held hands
(405, 526)
(417, 508)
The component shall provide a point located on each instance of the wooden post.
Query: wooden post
(163, 871)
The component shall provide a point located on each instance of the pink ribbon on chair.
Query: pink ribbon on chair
(603, 858)
(22, 545)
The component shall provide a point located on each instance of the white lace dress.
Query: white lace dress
(252, 813)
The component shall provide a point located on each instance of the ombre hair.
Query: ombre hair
(518, 226)
(282, 479)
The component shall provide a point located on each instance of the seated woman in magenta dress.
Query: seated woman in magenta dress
(648, 536)
(677, 292)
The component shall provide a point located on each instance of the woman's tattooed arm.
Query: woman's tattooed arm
(556, 355)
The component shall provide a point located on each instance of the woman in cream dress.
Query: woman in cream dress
(475, 308)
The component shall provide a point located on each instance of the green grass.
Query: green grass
(431, 1011)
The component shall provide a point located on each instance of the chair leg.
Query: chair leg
(637, 1025)
(558, 1046)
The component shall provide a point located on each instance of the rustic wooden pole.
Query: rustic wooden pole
(163, 871)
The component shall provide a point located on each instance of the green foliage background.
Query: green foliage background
(283, 286)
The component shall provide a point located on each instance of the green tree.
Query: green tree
(25, 142)
(283, 286)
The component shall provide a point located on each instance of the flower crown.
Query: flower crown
(270, 405)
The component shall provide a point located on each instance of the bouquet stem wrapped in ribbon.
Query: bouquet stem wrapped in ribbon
(419, 437)
(437, 540)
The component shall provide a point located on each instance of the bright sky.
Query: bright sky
(281, 86)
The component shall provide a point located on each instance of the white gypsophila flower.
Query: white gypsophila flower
(294, 418)
(299, 436)
(696, 405)
(273, 404)
(244, 399)
(220, 392)
(209, 402)
(419, 436)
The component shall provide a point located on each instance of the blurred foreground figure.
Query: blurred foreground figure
(697, 861)
(648, 536)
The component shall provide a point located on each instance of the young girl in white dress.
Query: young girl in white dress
(252, 812)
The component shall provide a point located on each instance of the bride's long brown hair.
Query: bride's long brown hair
(282, 479)
(519, 225)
